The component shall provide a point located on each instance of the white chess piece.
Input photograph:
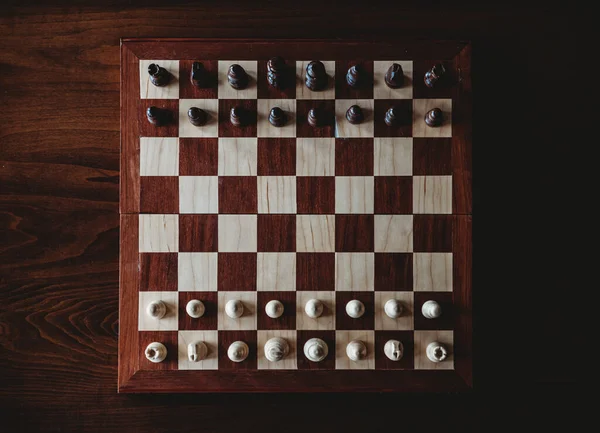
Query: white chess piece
(316, 350)
(313, 308)
(197, 351)
(356, 350)
(394, 350)
(238, 351)
(234, 308)
(156, 352)
(195, 308)
(156, 309)
(355, 309)
(276, 349)
(431, 310)
(274, 309)
(436, 352)
(393, 308)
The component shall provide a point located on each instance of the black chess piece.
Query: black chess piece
(157, 116)
(355, 114)
(237, 77)
(236, 116)
(391, 117)
(394, 77)
(316, 76)
(159, 76)
(277, 117)
(355, 76)
(199, 75)
(434, 74)
(315, 117)
(434, 117)
(197, 116)
(276, 72)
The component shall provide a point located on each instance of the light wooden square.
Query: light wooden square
(209, 338)
(432, 194)
(402, 323)
(276, 272)
(354, 194)
(303, 92)
(315, 156)
(345, 129)
(342, 338)
(315, 233)
(265, 129)
(381, 90)
(198, 194)
(393, 233)
(393, 156)
(237, 233)
(421, 107)
(422, 339)
(327, 319)
(226, 91)
(197, 272)
(277, 194)
(210, 128)
(169, 322)
(158, 233)
(149, 90)
(432, 272)
(287, 363)
(159, 156)
(354, 272)
(237, 156)
(248, 320)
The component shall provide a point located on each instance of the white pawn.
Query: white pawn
(197, 351)
(238, 351)
(316, 350)
(393, 308)
(356, 350)
(394, 350)
(156, 352)
(274, 309)
(195, 308)
(156, 309)
(313, 308)
(436, 352)
(355, 309)
(234, 308)
(276, 349)
(431, 310)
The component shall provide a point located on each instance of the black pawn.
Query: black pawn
(434, 74)
(236, 116)
(434, 117)
(277, 117)
(315, 117)
(355, 114)
(316, 77)
(394, 77)
(355, 76)
(197, 116)
(276, 69)
(159, 76)
(391, 117)
(237, 77)
(199, 75)
(156, 116)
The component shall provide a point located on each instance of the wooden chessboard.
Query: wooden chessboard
(255, 213)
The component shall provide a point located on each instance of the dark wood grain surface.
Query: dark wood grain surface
(59, 224)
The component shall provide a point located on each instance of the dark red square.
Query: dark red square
(432, 156)
(225, 340)
(432, 233)
(248, 128)
(188, 91)
(445, 321)
(345, 322)
(393, 194)
(393, 272)
(276, 156)
(198, 233)
(209, 318)
(286, 90)
(407, 362)
(238, 195)
(354, 233)
(328, 337)
(365, 88)
(404, 116)
(236, 272)
(287, 320)
(170, 128)
(315, 271)
(159, 194)
(276, 233)
(325, 106)
(442, 88)
(198, 156)
(315, 195)
(158, 272)
(169, 339)
(354, 157)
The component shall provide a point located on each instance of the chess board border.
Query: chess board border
(456, 54)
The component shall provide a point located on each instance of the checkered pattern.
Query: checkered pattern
(257, 213)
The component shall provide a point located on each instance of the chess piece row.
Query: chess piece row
(278, 75)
